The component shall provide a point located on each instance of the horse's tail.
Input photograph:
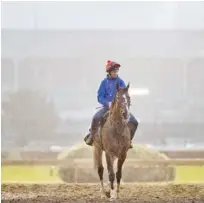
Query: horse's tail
(97, 156)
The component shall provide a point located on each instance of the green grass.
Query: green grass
(189, 173)
(28, 173)
(42, 174)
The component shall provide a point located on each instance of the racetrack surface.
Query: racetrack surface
(81, 193)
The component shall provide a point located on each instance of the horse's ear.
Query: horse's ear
(127, 87)
(117, 87)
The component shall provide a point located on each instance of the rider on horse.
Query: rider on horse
(106, 94)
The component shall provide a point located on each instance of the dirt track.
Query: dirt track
(137, 193)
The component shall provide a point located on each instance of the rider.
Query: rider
(106, 94)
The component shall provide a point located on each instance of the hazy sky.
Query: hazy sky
(114, 15)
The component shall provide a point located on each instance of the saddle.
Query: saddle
(103, 120)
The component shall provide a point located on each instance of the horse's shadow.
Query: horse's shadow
(107, 194)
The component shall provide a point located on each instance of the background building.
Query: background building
(66, 63)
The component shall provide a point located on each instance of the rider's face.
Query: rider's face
(114, 73)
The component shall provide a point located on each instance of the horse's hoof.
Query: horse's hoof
(103, 196)
(112, 195)
(112, 199)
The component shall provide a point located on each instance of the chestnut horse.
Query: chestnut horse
(114, 139)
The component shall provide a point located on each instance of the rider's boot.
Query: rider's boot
(132, 131)
(89, 138)
(87, 135)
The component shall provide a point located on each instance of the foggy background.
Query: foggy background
(54, 56)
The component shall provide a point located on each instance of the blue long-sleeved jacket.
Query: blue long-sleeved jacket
(107, 90)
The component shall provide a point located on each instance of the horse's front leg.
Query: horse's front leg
(111, 174)
(121, 160)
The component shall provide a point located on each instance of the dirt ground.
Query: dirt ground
(81, 193)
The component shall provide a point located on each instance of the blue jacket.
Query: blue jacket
(107, 90)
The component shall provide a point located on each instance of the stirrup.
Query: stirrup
(89, 141)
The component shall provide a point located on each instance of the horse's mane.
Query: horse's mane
(114, 101)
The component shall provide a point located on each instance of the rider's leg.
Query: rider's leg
(95, 124)
(133, 127)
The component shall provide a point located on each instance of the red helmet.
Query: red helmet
(111, 65)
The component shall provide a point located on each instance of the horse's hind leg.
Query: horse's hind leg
(109, 161)
(121, 160)
(100, 173)
(99, 165)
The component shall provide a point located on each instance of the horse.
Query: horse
(114, 139)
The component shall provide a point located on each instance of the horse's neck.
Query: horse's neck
(116, 117)
(117, 124)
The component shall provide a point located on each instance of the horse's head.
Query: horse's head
(121, 102)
